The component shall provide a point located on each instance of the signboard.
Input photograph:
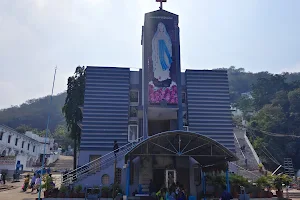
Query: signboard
(161, 54)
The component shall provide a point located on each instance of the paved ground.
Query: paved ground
(65, 162)
(17, 193)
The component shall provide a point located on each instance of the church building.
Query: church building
(166, 122)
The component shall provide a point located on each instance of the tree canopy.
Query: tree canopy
(71, 108)
(276, 105)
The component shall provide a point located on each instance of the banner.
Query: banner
(160, 44)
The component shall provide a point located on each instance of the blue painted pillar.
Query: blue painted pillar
(178, 77)
(128, 179)
(204, 186)
(227, 181)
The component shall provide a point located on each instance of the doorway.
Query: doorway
(170, 177)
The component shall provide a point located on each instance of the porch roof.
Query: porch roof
(204, 150)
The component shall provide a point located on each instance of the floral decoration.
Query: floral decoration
(159, 94)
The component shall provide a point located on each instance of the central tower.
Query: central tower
(162, 108)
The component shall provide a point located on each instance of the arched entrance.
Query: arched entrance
(171, 156)
(3, 153)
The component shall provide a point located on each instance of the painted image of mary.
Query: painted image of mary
(161, 54)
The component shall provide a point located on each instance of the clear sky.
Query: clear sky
(37, 35)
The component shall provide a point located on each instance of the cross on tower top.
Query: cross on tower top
(161, 3)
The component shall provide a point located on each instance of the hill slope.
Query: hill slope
(34, 113)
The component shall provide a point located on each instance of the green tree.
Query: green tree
(62, 136)
(294, 99)
(23, 128)
(264, 90)
(71, 110)
(271, 118)
(281, 99)
(245, 104)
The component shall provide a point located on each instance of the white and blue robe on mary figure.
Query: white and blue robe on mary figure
(161, 53)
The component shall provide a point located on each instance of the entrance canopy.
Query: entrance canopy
(204, 150)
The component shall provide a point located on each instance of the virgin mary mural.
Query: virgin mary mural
(162, 87)
(161, 53)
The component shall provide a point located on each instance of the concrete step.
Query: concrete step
(293, 194)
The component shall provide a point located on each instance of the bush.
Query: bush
(78, 188)
(282, 179)
(237, 180)
(63, 189)
(265, 181)
(47, 182)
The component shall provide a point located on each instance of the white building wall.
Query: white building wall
(49, 142)
(27, 156)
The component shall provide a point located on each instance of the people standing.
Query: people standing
(26, 183)
(161, 194)
(37, 183)
(116, 148)
(32, 181)
(3, 178)
(226, 195)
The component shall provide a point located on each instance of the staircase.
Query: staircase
(292, 194)
(98, 164)
(63, 163)
(288, 167)
(240, 141)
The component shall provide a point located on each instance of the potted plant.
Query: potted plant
(236, 182)
(62, 191)
(262, 183)
(115, 191)
(252, 191)
(279, 181)
(270, 180)
(72, 193)
(78, 189)
(218, 181)
(47, 185)
(104, 192)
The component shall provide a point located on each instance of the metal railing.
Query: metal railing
(97, 164)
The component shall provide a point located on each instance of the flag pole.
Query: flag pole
(46, 135)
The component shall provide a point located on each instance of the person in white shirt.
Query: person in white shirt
(37, 183)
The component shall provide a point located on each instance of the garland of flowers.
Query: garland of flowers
(157, 95)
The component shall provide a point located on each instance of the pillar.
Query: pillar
(128, 179)
(203, 182)
(227, 181)
(178, 81)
